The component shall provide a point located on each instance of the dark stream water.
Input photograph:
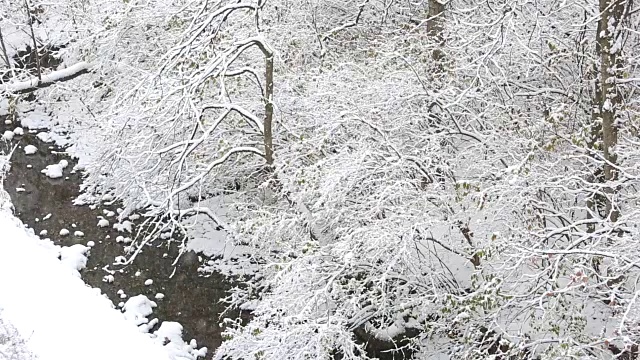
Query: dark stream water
(190, 299)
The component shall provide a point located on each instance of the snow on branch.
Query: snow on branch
(34, 83)
(213, 164)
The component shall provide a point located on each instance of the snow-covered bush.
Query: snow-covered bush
(12, 346)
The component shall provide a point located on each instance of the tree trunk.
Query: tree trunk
(597, 202)
(610, 23)
(435, 27)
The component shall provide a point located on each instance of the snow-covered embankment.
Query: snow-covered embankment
(57, 315)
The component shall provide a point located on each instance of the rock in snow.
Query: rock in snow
(137, 308)
(30, 149)
(8, 135)
(55, 171)
(124, 226)
(74, 257)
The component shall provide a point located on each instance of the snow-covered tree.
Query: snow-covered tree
(439, 178)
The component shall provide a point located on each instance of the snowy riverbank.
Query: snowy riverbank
(52, 314)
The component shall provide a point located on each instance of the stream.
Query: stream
(189, 297)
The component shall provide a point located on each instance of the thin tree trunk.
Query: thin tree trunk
(4, 50)
(268, 118)
(33, 38)
(268, 101)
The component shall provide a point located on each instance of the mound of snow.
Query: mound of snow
(137, 308)
(74, 257)
(44, 136)
(124, 226)
(30, 149)
(8, 135)
(170, 334)
(55, 171)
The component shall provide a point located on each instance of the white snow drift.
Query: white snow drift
(58, 315)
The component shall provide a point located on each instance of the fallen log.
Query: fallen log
(47, 80)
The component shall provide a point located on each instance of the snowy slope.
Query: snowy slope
(59, 316)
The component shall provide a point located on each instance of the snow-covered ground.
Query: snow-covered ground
(48, 312)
